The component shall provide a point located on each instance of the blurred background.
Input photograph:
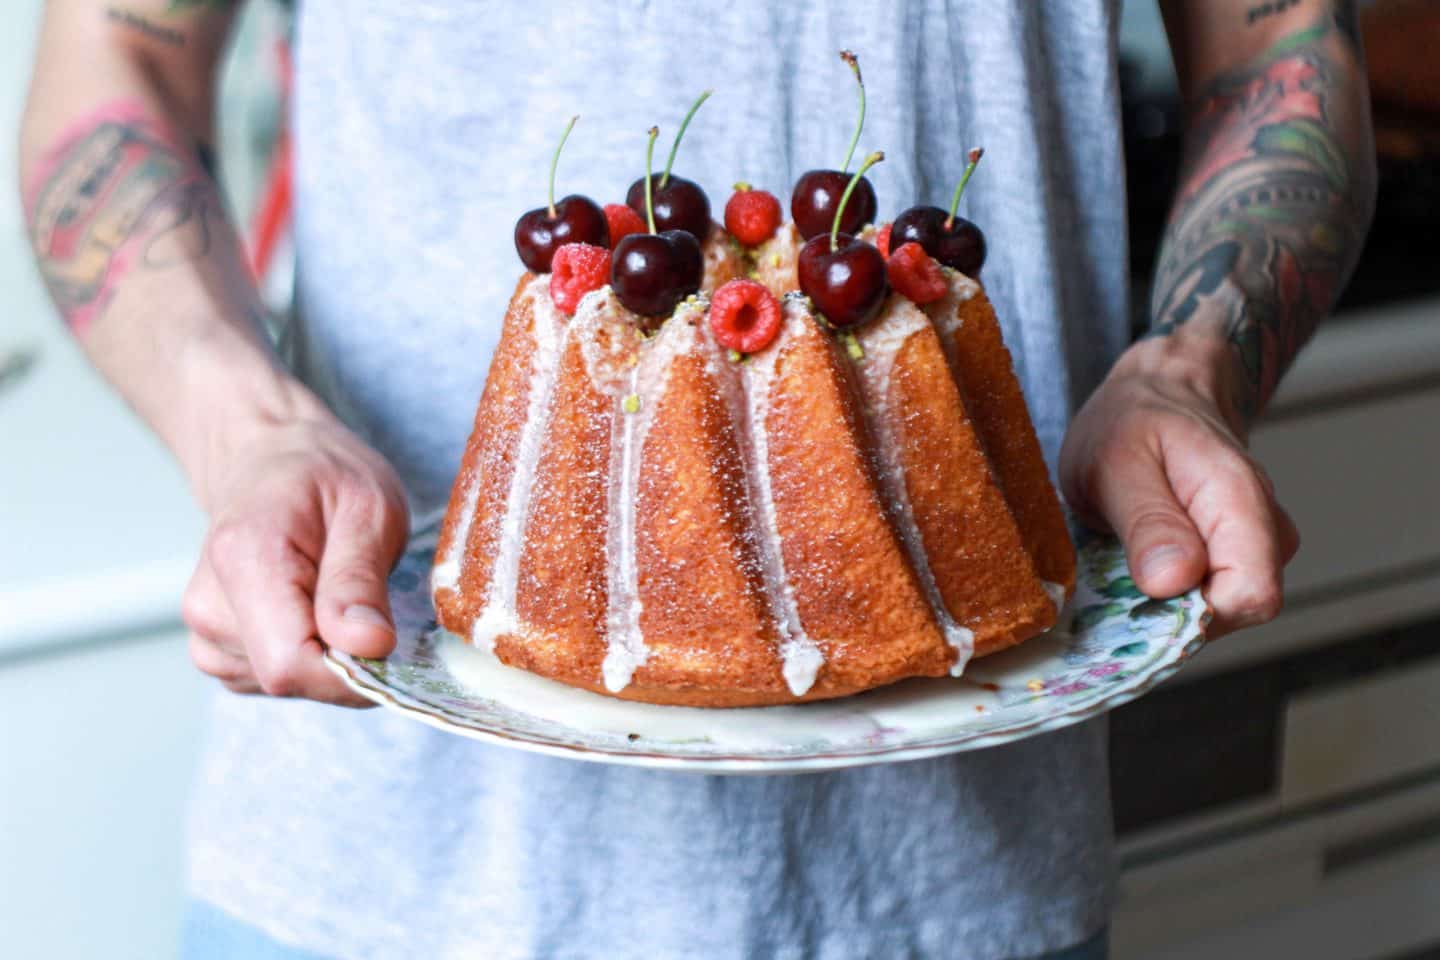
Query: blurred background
(1280, 797)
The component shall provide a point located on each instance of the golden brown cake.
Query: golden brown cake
(647, 518)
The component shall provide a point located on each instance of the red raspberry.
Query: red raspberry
(577, 269)
(882, 240)
(744, 315)
(752, 216)
(914, 273)
(623, 221)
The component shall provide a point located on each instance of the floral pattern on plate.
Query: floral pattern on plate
(1112, 645)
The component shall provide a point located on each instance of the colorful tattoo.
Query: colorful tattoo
(138, 22)
(1273, 205)
(200, 4)
(115, 195)
(1262, 10)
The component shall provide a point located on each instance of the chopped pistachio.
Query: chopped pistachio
(631, 403)
(852, 346)
(735, 356)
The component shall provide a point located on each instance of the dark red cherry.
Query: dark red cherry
(675, 203)
(953, 241)
(651, 273)
(844, 277)
(847, 284)
(577, 219)
(950, 239)
(817, 194)
(680, 204)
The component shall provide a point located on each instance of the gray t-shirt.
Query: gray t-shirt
(423, 130)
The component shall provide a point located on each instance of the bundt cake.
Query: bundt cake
(651, 518)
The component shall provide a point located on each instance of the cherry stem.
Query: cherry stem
(975, 156)
(649, 199)
(555, 161)
(854, 64)
(870, 161)
(670, 161)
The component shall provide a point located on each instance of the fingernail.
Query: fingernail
(1155, 561)
(359, 613)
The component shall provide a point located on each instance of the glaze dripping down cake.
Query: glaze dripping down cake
(647, 517)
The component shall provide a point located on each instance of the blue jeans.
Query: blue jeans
(212, 934)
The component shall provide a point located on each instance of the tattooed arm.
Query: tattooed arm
(1277, 186)
(1275, 197)
(134, 245)
(127, 226)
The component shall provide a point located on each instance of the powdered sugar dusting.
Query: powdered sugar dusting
(633, 373)
(775, 260)
(747, 390)
(882, 341)
(945, 312)
(608, 345)
(498, 615)
(626, 650)
(721, 259)
(545, 331)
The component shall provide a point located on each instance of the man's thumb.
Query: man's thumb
(1166, 554)
(352, 601)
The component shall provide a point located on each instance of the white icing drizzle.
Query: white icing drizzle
(446, 573)
(945, 312)
(882, 341)
(720, 257)
(747, 390)
(635, 375)
(549, 332)
(646, 382)
(775, 260)
(609, 357)
(1056, 592)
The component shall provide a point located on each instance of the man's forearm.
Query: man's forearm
(133, 243)
(1275, 197)
(118, 196)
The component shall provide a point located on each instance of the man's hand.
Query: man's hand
(132, 239)
(304, 531)
(1276, 191)
(1153, 457)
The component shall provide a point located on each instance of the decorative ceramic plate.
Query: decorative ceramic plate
(1111, 645)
